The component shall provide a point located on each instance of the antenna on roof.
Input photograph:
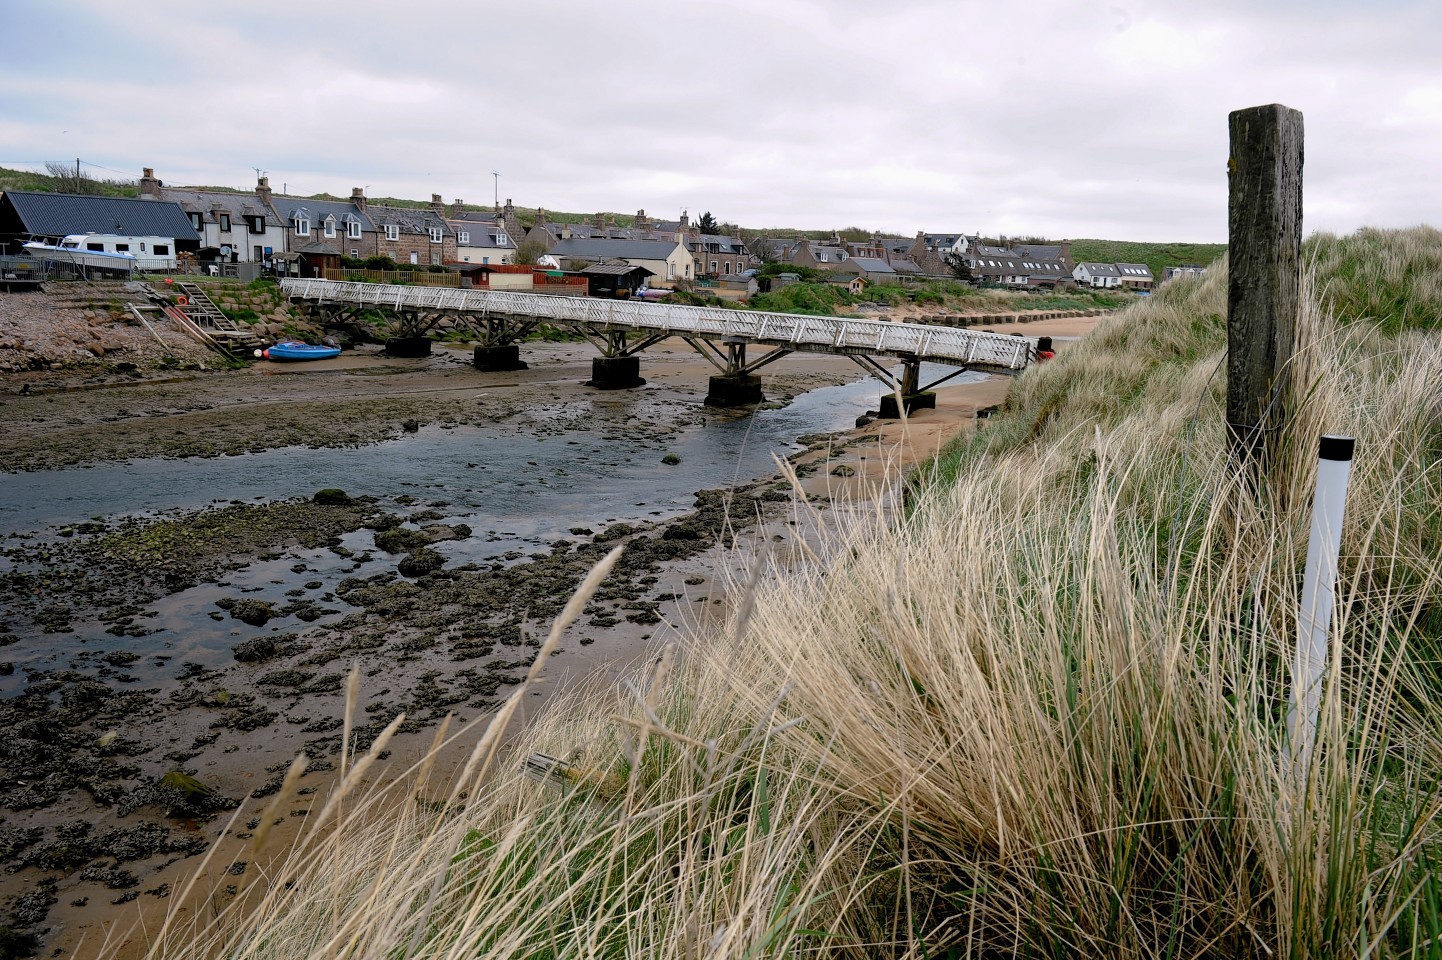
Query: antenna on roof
(497, 175)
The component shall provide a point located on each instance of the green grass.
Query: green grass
(1155, 255)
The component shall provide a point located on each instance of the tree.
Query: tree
(529, 251)
(957, 264)
(708, 224)
(755, 241)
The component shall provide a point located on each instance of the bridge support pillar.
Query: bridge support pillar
(408, 347)
(616, 373)
(492, 359)
(924, 400)
(734, 390)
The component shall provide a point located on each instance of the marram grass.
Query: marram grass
(1041, 716)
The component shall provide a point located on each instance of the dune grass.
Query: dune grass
(1041, 716)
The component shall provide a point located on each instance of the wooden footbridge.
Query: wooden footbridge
(621, 329)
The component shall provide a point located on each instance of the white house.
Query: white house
(482, 238)
(1097, 275)
(233, 227)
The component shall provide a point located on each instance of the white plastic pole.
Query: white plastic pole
(1314, 622)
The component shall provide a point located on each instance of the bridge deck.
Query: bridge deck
(950, 345)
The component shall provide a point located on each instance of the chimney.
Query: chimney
(685, 220)
(1066, 253)
(456, 208)
(262, 190)
(358, 197)
(149, 186)
(508, 212)
(599, 222)
(437, 207)
(643, 222)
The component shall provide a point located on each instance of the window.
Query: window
(436, 258)
(302, 227)
(393, 232)
(225, 223)
(195, 220)
(355, 251)
(464, 238)
(501, 239)
(162, 249)
(95, 246)
(726, 266)
(713, 266)
(352, 229)
(485, 259)
(415, 258)
(142, 246)
(122, 248)
(257, 224)
(435, 234)
(329, 227)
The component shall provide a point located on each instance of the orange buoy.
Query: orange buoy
(181, 300)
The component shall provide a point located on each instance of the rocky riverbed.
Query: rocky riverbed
(132, 730)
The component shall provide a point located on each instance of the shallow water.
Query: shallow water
(518, 484)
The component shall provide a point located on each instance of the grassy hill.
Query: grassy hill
(1154, 255)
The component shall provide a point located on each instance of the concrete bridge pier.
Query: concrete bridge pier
(616, 373)
(408, 347)
(921, 400)
(497, 358)
(734, 390)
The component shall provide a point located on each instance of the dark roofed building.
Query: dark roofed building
(615, 278)
(26, 216)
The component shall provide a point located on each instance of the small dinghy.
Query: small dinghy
(299, 350)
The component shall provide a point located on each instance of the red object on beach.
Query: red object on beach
(168, 281)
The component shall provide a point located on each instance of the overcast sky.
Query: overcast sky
(1048, 117)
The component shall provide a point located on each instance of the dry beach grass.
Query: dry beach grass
(1042, 714)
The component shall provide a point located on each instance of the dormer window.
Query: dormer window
(195, 220)
(330, 227)
(257, 224)
(464, 238)
(225, 223)
(353, 229)
(502, 239)
(435, 234)
(302, 226)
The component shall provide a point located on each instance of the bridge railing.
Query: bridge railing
(798, 331)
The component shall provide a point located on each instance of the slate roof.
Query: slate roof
(1103, 269)
(615, 268)
(828, 254)
(483, 234)
(209, 203)
(413, 220)
(318, 210)
(57, 214)
(937, 241)
(1039, 251)
(610, 249)
(728, 245)
(1139, 270)
(870, 264)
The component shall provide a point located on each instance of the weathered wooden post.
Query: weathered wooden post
(1264, 247)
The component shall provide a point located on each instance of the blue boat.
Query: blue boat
(299, 350)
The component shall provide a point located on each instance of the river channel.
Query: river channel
(519, 485)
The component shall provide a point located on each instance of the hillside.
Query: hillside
(1154, 255)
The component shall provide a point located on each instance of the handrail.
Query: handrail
(799, 331)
